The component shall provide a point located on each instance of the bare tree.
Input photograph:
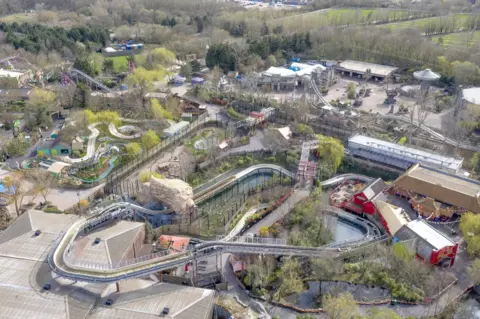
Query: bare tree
(420, 111)
(43, 182)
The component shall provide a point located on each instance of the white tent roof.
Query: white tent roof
(276, 71)
(426, 75)
(285, 131)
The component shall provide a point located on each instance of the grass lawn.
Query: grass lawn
(120, 63)
(344, 17)
(461, 39)
(20, 18)
(458, 22)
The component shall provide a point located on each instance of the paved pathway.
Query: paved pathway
(116, 133)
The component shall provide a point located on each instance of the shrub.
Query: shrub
(53, 210)
(402, 141)
(231, 111)
(144, 176)
(157, 175)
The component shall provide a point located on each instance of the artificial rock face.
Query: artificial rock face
(175, 193)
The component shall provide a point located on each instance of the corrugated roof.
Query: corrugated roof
(172, 130)
(429, 234)
(404, 152)
(361, 67)
(447, 188)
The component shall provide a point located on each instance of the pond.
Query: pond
(344, 232)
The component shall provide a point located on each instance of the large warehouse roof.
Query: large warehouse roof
(183, 303)
(443, 187)
(115, 241)
(404, 152)
(471, 95)
(362, 67)
(24, 272)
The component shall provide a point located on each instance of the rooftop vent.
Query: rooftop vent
(37, 232)
(108, 302)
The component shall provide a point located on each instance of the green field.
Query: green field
(120, 63)
(345, 17)
(437, 25)
(461, 39)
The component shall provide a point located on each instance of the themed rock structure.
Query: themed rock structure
(175, 193)
(176, 164)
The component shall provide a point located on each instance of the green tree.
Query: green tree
(474, 161)
(304, 129)
(107, 117)
(470, 227)
(150, 139)
(306, 316)
(144, 78)
(331, 150)
(158, 111)
(133, 149)
(221, 55)
(263, 231)
(80, 96)
(163, 57)
(41, 97)
(186, 70)
(351, 91)
(90, 64)
(290, 281)
(341, 307)
(196, 66)
(474, 272)
(88, 116)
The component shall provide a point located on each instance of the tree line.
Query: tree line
(35, 38)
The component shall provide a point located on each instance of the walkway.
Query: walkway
(280, 212)
(113, 130)
(90, 147)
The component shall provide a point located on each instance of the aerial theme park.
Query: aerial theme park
(141, 182)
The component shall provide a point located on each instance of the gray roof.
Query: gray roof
(116, 241)
(24, 272)
(362, 67)
(404, 152)
(183, 302)
(19, 241)
(23, 296)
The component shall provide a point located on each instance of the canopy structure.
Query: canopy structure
(426, 75)
(197, 80)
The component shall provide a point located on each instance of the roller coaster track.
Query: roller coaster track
(89, 79)
(62, 257)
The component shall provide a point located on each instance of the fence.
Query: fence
(140, 160)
